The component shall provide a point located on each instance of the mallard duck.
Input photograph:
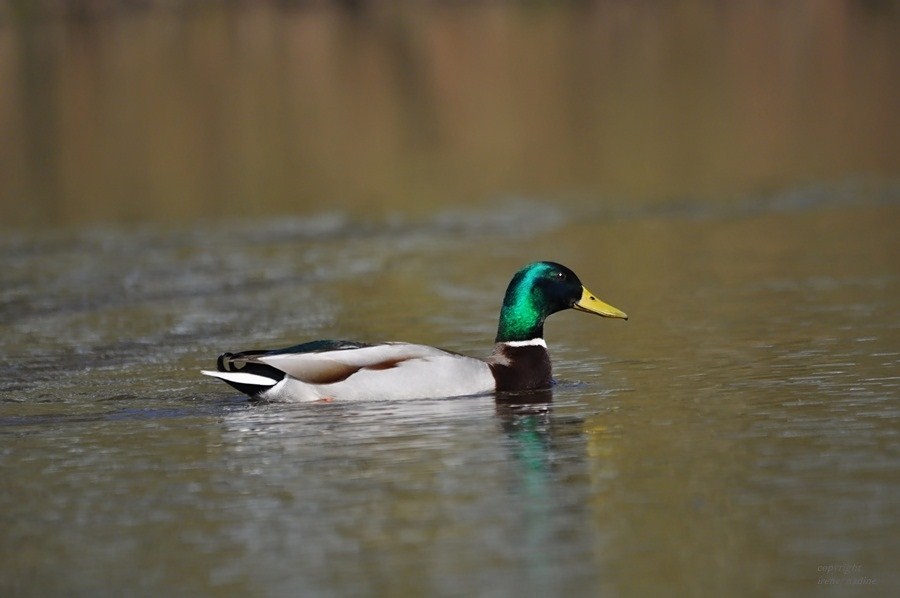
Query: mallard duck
(327, 370)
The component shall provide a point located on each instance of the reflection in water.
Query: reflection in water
(551, 481)
(526, 419)
(531, 447)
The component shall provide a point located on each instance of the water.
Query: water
(177, 182)
(737, 435)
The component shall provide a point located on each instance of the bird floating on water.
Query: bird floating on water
(327, 370)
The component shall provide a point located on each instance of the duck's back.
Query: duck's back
(343, 370)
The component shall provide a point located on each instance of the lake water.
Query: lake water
(737, 436)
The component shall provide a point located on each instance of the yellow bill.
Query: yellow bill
(592, 305)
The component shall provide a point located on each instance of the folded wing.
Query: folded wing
(325, 362)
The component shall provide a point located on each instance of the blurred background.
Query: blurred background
(169, 111)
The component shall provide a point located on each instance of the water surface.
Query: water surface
(736, 436)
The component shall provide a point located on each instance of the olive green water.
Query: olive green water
(738, 436)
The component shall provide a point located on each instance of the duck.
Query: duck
(340, 370)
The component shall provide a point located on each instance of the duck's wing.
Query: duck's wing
(325, 362)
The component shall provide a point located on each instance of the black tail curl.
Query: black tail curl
(239, 362)
(243, 362)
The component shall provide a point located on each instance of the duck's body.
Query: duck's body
(344, 370)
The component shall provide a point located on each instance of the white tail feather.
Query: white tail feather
(241, 378)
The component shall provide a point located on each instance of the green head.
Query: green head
(541, 289)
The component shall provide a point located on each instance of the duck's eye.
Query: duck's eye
(559, 275)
